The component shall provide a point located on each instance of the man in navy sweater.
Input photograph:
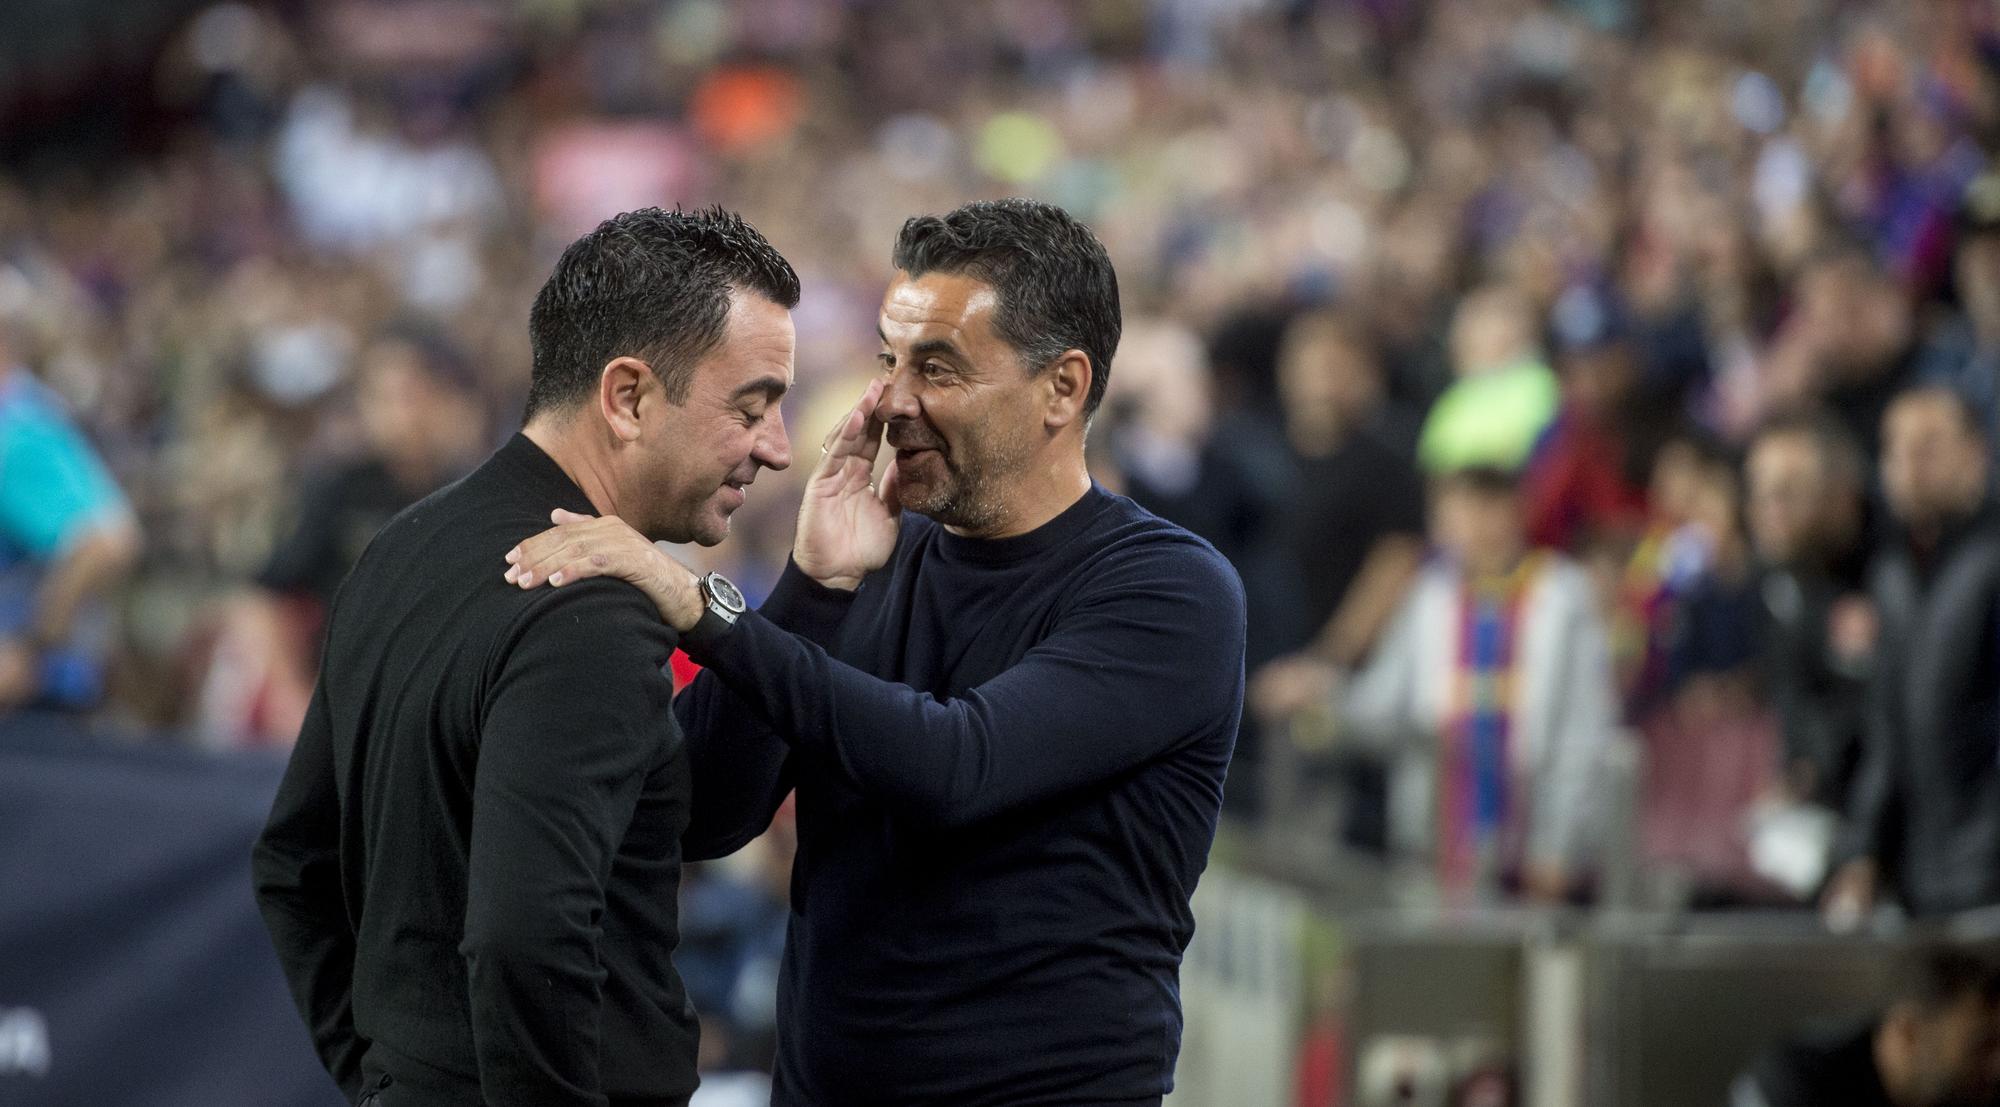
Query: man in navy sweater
(1006, 697)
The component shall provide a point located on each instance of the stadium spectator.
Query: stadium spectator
(67, 541)
(420, 424)
(1806, 482)
(1175, 460)
(1962, 349)
(1499, 657)
(1708, 737)
(1584, 483)
(1504, 395)
(1850, 342)
(1671, 555)
(1924, 820)
(1351, 528)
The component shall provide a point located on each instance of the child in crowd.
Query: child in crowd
(1500, 657)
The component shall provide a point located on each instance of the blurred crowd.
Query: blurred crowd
(1570, 381)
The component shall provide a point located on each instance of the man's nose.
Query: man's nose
(899, 397)
(774, 446)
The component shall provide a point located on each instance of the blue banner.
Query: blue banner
(134, 968)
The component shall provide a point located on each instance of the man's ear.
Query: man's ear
(622, 387)
(1069, 389)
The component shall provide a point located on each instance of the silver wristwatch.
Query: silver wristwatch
(723, 599)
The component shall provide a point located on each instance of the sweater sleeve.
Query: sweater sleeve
(1147, 655)
(297, 869)
(576, 717)
(738, 761)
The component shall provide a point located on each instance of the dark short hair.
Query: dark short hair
(649, 284)
(1971, 419)
(1483, 481)
(1840, 454)
(1935, 973)
(1339, 326)
(1056, 287)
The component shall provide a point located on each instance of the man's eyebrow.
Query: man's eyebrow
(927, 347)
(773, 387)
(931, 346)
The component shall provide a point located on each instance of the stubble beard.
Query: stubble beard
(969, 498)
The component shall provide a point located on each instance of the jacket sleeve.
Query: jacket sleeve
(1566, 811)
(1147, 656)
(1379, 701)
(1872, 808)
(296, 868)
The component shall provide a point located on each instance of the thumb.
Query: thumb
(560, 516)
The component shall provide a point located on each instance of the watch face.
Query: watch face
(725, 593)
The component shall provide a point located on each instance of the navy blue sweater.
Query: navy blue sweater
(1009, 758)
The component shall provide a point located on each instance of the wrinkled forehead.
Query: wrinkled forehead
(939, 307)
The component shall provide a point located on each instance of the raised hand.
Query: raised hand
(581, 546)
(847, 525)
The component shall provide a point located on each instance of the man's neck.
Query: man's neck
(582, 465)
(1041, 496)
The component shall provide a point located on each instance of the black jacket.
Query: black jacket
(1820, 697)
(470, 870)
(1927, 801)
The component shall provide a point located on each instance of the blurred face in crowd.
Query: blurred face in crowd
(697, 458)
(1328, 378)
(1952, 1054)
(967, 419)
(1790, 493)
(1933, 461)
(1858, 315)
(1596, 380)
(417, 420)
(1480, 527)
(1492, 329)
(1164, 380)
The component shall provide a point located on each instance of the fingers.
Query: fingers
(851, 437)
(566, 523)
(578, 546)
(538, 562)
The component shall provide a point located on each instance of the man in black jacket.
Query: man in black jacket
(1924, 819)
(1007, 699)
(470, 869)
(1805, 481)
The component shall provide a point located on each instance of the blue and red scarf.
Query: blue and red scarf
(1477, 810)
